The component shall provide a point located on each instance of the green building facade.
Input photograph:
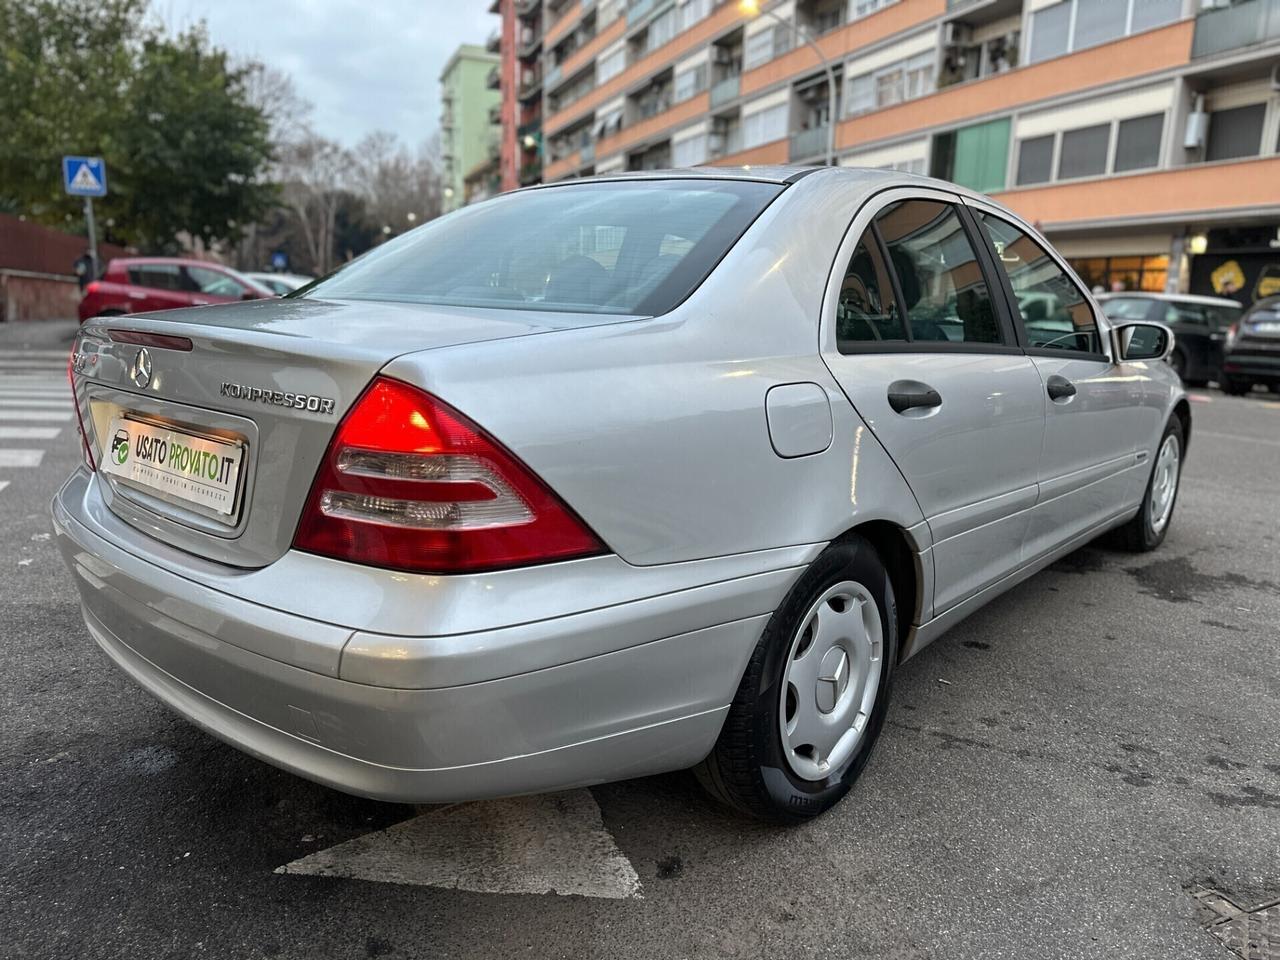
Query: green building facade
(467, 137)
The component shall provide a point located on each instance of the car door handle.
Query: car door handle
(907, 395)
(1060, 388)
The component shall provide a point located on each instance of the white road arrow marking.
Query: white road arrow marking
(554, 843)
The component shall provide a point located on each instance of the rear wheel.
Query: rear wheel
(1147, 530)
(814, 694)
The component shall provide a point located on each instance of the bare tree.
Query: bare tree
(400, 188)
(314, 173)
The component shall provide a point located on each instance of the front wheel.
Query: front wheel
(813, 698)
(1147, 530)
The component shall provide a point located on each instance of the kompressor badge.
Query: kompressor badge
(279, 398)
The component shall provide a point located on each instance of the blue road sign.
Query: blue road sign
(84, 176)
(279, 261)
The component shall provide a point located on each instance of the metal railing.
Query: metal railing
(637, 10)
(1241, 25)
(725, 90)
(808, 143)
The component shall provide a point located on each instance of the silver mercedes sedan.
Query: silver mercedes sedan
(597, 480)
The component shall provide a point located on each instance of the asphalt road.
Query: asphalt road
(1056, 775)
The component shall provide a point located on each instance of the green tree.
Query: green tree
(187, 151)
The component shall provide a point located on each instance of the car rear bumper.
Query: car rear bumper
(655, 703)
(1261, 366)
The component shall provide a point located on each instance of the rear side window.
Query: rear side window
(1056, 315)
(157, 276)
(633, 248)
(866, 311)
(944, 294)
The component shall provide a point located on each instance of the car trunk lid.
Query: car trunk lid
(263, 384)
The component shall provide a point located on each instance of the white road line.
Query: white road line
(3, 484)
(48, 388)
(7, 414)
(21, 458)
(1237, 437)
(35, 353)
(33, 402)
(15, 363)
(29, 433)
(554, 843)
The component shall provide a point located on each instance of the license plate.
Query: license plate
(1268, 326)
(188, 467)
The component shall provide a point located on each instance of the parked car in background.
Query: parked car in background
(608, 478)
(135, 284)
(1252, 349)
(1199, 325)
(280, 283)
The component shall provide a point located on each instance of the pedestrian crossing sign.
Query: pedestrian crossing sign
(84, 176)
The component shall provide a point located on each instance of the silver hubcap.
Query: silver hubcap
(830, 681)
(1164, 483)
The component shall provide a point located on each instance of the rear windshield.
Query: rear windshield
(634, 248)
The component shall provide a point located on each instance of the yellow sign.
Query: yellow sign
(1268, 282)
(1228, 278)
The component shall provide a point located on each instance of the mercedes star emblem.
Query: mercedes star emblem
(140, 371)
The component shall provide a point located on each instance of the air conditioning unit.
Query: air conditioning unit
(1197, 132)
(956, 34)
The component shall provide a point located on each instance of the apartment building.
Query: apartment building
(469, 120)
(1142, 135)
(518, 41)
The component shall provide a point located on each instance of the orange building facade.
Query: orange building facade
(1143, 136)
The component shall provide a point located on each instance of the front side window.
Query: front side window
(1056, 314)
(629, 249)
(866, 311)
(944, 291)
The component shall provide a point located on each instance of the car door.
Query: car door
(155, 286)
(1094, 415)
(928, 358)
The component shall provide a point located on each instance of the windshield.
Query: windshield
(634, 248)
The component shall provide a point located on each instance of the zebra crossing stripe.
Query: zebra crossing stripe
(29, 433)
(3, 484)
(20, 458)
(33, 403)
(36, 414)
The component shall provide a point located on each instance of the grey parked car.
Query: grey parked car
(597, 480)
(1199, 326)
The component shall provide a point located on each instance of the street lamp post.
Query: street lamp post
(751, 8)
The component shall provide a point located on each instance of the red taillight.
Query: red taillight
(92, 287)
(411, 484)
(75, 402)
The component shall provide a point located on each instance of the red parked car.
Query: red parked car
(135, 284)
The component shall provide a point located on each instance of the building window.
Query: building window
(660, 31)
(1076, 24)
(610, 66)
(974, 157)
(1084, 152)
(1236, 133)
(1138, 143)
(1116, 274)
(690, 82)
(763, 46)
(1035, 160)
(689, 12)
(689, 152)
(764, 126)
(905, 80)
(863, 7)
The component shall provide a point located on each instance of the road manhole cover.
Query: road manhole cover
(1250, 932)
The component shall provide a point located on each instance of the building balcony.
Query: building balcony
(494, 43)
(808, 144)
(530, 173)
(530, 43)
(725, 90)
(530, 85)
(495, 114)
(526, 7)
(494, 79)
(637, 10)
(1241, 25)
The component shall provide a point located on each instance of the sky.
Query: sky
(365, 66)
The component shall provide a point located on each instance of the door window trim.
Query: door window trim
(973, 208)
(864, 221)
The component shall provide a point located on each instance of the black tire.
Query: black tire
(1138, 535)
(747, 769)
(1234, 387)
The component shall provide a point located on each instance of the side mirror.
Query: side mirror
(1141, 341)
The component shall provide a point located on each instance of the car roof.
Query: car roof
(768, 173)
(1170, 298)
(179, 261)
